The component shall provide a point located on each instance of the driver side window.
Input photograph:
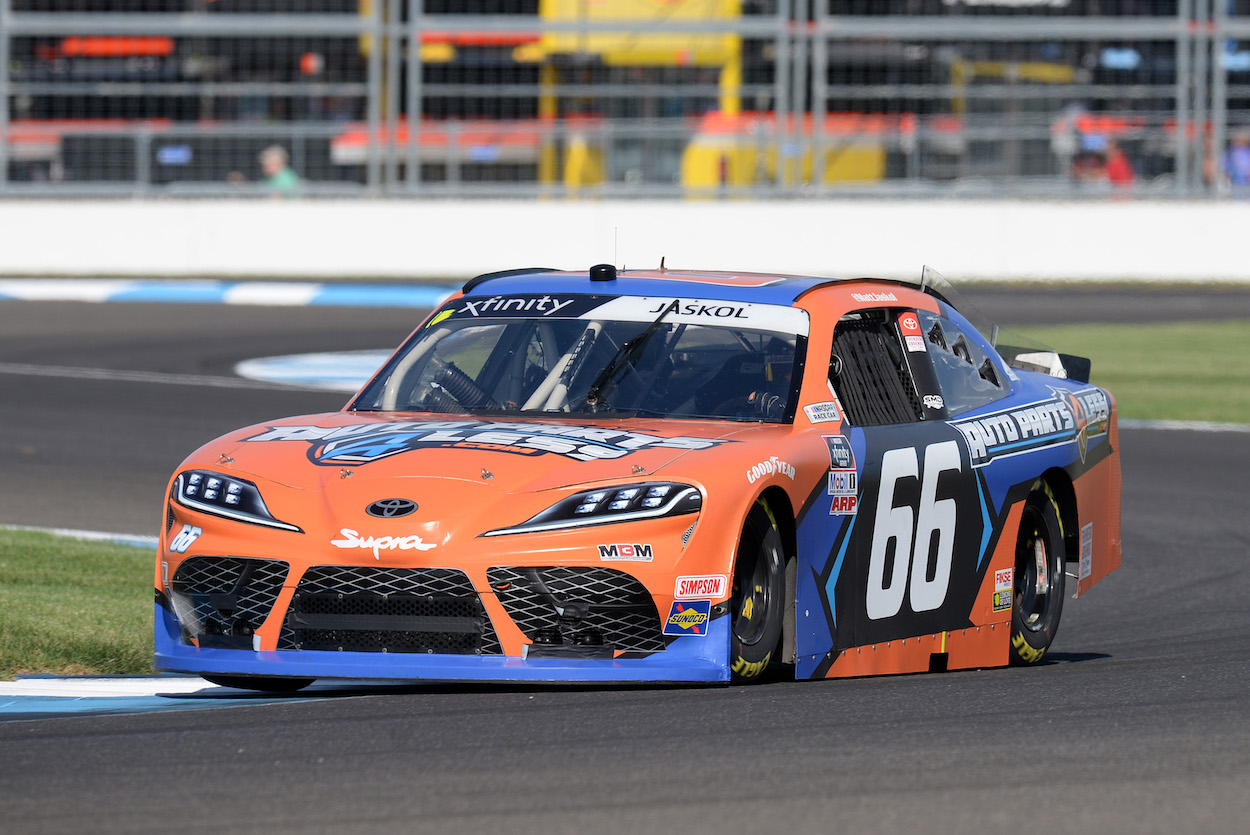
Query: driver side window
(967, 375)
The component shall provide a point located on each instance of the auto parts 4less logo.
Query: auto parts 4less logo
(688, 617)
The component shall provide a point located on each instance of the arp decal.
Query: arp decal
(626, 551)
(688, 617)
(366, 442)
(694, 587)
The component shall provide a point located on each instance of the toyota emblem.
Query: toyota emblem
(390, 508)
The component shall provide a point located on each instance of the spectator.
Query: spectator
(1119, 169)
(280, 178)
(1237, 161)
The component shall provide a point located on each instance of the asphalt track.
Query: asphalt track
(1136, 722)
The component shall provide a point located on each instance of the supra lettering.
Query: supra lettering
(352, 539)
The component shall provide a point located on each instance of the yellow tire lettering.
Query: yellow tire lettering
(1030, 654)
(750, 669)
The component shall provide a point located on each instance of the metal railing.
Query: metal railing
(733, 99)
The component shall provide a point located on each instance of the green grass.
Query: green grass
(1175, 371)
(73, 607)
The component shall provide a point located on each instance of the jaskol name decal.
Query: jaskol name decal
(377, 544)
(365, 442)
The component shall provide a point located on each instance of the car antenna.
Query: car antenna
(661, 263)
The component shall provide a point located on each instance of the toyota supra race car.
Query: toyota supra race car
(653, 475)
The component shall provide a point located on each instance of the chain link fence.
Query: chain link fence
(704, 99)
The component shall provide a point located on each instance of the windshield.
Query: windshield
(590, 355)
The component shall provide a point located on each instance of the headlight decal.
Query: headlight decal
(226, 496)
(609, 505)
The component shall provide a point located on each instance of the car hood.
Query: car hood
(321, 452)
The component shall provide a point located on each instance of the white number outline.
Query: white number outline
(898, 524)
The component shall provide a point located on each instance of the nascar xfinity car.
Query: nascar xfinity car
(653, 475)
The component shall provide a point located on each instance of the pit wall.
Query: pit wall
(1106, 240)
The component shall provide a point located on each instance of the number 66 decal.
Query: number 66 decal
(934, 517)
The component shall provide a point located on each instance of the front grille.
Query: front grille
(559, 604)
(228, 596)
(378, 609)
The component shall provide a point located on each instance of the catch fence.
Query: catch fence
(705, 99)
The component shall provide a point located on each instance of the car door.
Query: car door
(903, 539)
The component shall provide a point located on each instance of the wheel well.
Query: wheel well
(1060, 487)
(783, 513)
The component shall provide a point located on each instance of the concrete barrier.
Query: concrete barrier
(315, 239)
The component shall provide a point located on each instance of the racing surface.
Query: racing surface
(1135, 722)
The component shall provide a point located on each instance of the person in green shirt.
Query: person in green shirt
(280, 179)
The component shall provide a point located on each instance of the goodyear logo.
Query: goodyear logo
(688, 617)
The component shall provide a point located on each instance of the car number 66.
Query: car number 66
(934, 517)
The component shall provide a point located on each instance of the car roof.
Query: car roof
(604, 279)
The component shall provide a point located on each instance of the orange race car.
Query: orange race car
(653, 475)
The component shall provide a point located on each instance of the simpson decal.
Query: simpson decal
(366, 442)
(711, 585)
(688, 617)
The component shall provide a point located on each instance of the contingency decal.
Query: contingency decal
(843, 480)
(1068, 416)
(688, 617)
(362, 443)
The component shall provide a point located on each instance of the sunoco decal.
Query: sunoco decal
(363, 443)
(688, 617)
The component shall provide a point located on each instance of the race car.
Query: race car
(653, 475)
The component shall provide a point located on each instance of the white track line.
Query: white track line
(141, 377)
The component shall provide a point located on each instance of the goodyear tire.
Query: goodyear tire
(1037, 599)
(759, 592)
(268, 684)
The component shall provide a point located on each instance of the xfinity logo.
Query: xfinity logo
(391, 508)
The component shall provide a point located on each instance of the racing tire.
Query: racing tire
(1037, 596)
(267, 684)
(759, 592)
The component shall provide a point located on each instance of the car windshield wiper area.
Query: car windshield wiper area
(627, 353)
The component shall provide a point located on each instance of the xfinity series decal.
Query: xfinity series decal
(1068, 416)
(362, 443)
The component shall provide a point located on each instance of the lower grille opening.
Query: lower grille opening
(569, 610)
(407, 610)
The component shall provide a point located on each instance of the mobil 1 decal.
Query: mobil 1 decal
(913, 557)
